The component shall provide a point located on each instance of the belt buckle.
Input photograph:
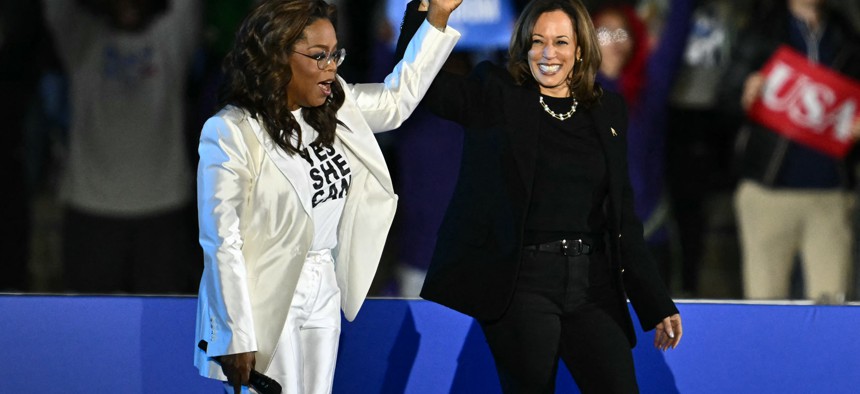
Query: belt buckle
(566, 245)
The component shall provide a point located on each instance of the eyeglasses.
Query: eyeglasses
(324, 58)
(606, 36)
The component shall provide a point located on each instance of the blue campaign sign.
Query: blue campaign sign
(484, 24)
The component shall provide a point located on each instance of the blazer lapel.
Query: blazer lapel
(524, 136)
(363, 144)
(289, 165)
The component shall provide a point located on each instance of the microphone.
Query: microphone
(262, 383)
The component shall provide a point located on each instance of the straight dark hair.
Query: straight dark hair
(582, 81)
(257, 71)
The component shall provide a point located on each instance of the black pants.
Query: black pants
(564, 306)
(155, 254)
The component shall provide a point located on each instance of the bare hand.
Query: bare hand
(237, 367)
(668, 333)
(752, 89)
(438, 11)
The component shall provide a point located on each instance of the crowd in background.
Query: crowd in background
(103, 101)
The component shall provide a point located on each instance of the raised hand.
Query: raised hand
(438, 11)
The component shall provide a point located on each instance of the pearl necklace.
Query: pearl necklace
(559, 116)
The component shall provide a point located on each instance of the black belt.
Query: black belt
(566, 247)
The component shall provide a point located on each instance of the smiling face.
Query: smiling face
(553, 53)
(310, 86)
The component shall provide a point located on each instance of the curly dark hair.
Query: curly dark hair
(582, 82)
(257, 71)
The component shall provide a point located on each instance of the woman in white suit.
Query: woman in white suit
(294, 197)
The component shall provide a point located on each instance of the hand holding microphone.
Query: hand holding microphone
(240, 371)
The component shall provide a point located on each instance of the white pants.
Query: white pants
(776, 224)
(305, 356)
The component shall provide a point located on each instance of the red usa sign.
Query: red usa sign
(807, 103)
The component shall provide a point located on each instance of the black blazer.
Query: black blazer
(478, 252)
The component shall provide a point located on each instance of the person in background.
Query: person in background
(540, 242)
(792, 199)
(294, 196)
(643, 74)
(699, 153)
(221, 18)
(22, 45)
(127, 188)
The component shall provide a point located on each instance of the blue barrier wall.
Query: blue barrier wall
(76, 344)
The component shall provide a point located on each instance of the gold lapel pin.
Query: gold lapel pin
(614, 133)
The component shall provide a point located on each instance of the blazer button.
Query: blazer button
(619, 235)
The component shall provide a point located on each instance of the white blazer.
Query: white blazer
(254, 209)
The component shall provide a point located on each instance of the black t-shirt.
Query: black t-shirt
(570, 182)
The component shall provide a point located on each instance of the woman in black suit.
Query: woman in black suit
(540, 243)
